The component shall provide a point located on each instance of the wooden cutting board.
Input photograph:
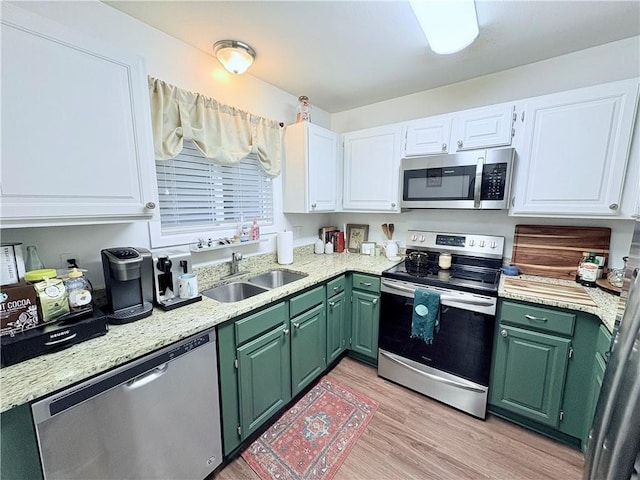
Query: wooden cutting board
(563, 293)
(553, 251)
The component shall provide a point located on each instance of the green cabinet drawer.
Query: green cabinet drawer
(336, 286)
(306, 301)
(538, 318)
(603, 342)
(368, 283)
(258, 323)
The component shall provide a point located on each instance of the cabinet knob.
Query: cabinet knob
(393, 205)
(613, 206)
(460, 143)
(296, 325)
(336, 288)
(313, 205)
(374, 301)
(332, 304)
(444, 147)
(286, 331)
(150, 206)
(504, 333)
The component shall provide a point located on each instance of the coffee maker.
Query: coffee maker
(168, 266)
(128, 276)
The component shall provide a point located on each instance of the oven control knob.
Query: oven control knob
(422, 239)
(472, 243)
(482, 243)
(414, 237)
(493, 245)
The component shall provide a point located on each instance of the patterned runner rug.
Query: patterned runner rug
(313, 438)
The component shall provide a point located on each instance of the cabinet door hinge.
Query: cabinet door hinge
(570, 352)
(561, 415)
(235, 363)
(513, 132)
(239, 431)
(350, 343)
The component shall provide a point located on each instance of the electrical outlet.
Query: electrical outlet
(65, 258)
(297, 231)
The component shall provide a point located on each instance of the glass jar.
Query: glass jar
(304, 109)
(33, 261)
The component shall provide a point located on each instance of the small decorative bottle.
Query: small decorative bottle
(33, 261)
(304, 109)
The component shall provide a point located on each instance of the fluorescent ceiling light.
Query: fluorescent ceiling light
(449, 25)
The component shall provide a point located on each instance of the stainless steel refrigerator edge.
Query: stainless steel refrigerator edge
(614, 440)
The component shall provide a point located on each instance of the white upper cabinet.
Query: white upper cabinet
(372, 169)
(573, 156)
(311, 176)
(76, 128)
(483, 127)
(428, 136)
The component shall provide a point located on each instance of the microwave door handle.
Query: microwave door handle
(478, 186)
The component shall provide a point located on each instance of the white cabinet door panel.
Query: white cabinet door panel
(428, 137)
(371, 169)
(575, 151)
(311, 177)
(76, 127)
(483, 127)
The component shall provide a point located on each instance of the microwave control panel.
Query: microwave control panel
(494, 179)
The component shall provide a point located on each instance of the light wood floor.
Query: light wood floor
(415, 437)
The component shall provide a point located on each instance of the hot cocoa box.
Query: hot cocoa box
(18, 309)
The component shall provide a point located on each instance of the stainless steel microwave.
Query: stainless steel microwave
(478, 179)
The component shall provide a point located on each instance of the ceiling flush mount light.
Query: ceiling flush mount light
(235, 56)
(449, 25)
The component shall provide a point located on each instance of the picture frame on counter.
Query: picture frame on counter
(356, 236)
(367, 248)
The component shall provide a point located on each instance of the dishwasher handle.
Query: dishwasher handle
(146, 378)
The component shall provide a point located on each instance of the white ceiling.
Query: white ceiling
(346, 54)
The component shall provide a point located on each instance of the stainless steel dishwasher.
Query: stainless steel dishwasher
(156, 417)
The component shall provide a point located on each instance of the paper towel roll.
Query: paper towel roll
(285, 248)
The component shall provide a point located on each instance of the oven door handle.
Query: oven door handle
(430, 376)
(443, 298)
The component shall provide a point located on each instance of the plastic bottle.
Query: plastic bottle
(244, 232)
(33, 261)
(304, 109)
(255, 230)
(79, 291)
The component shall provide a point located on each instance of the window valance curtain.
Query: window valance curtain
(222, 133)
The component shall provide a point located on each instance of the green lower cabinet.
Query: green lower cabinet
(365, 314)
(337, 326)
(529, 373)
(599, 367)
(19, 458)
(264, 378)
(308, 347)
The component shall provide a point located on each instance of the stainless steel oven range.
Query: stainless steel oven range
(455, 368)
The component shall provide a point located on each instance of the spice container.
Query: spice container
(444, 261)
(304, 109)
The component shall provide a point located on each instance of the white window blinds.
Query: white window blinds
(196, 192)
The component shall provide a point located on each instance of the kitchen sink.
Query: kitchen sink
(275, 278)
(233, 292)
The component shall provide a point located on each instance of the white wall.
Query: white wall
(602, 64)
(180, 64)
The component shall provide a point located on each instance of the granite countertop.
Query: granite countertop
(40, 376)
(48, 373)
(607, 303)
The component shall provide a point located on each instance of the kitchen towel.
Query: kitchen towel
(285, 247)
(426, 315)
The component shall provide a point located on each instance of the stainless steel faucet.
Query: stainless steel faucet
(235, 262)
